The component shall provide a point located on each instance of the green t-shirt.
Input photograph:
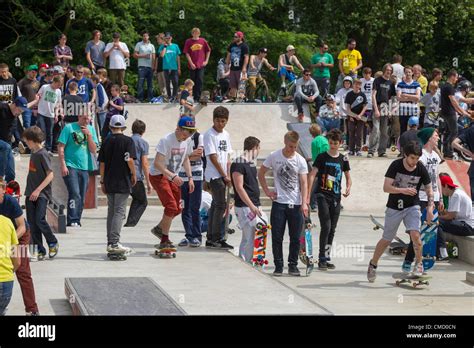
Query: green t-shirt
(76, 150)
(319, 145)
(322, 71)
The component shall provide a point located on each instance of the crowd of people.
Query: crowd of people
(62, 106)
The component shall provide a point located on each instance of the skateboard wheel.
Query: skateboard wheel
(174, 255)
(266, 262)
(397, 282)
(156, 252)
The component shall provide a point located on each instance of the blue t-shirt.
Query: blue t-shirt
(169, 60)
(84, 88)
(142, 149)
(11, 209)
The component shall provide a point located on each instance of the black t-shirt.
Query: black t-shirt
(159, 65)
(356, 101)
(385, 90)
(249, 171)
(6, 122)
(237, 55)
(467, 138)
(405, 179)
(8, 90)
(330, 171)
(406, 137)
(114, 153)
(184, 95)
(72, 104)
(447, 107)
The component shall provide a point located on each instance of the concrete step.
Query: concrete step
(470, 277)
(465, 247)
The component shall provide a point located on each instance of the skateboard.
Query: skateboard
(396, 248)
(205, 97)
(165, 253)
(260, 243)
(429, 235)
(306, 247)
(117, 255)
(241, 91)
(413, 280)
(227, 213)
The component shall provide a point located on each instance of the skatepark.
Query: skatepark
(209, 282)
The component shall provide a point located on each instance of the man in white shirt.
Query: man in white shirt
(290, 172)
(398, 69)
(145, 54)
(117, 52)
(217, 148)
(458, 219)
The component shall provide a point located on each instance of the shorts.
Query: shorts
(169, 194)
(234, 78)
(410, 216)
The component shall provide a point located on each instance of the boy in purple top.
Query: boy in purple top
(197, 52)
(116, 106)
(62, 53)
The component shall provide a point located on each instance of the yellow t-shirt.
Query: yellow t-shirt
(349, 59)
(8, 239)
(423, 83)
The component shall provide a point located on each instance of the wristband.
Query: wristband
(172, 178)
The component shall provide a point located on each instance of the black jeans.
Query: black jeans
(299, 100)
(450, 133)
(217, 210)
(279, 216)
(440, 242)
(329, 209)
(36, 216)
(323, 85)
(138, 205)
(197, 75)
(457, 228)
(224, 85)
(172, 78)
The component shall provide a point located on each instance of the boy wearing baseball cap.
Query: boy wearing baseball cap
(237, 58)
(117, 173)
(458, 218)
(410, 134)
(172, 153)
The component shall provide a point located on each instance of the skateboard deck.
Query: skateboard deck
(260, 243)
(413, 280)
(396, 248)
(117, 256)
(165, 253)
(306, 247)
(241, 91)
(429, 234)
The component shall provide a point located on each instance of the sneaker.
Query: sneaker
(359, 153)
(195, 243)
(371, 272)
(370, 155)
(225, 246)
(21, 148)
(213, 245)
(184, 242)
(53, 250)
(442, 259)
(293, 271)
(74, 224)
(50, 153)
(278, 272)
(300, 118)
(32, 314)
(418, 270)
(330, 265)
(157, 232)
(314, 209)
(41, 256)
(209, 244)
(117, 248)
(168, 244)
(406, 267)
(322, 265)
(382, 154)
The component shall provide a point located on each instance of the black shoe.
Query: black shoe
(323, 266)
(225, 246)
(293, 271)
(209, 244)
(214, 245)
(129, 225)
(330, 265)
(278, 272)
(382, 155)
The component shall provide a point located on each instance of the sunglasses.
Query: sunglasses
(79, 72)
(307, 74)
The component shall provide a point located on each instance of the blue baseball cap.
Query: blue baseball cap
(21, 102)
(187, 122)
(413, 121)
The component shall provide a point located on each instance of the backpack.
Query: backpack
(196, 144)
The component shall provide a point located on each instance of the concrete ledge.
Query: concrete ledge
(470, 277)
(465, 245)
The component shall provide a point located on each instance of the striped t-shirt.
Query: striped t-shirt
(408, 108)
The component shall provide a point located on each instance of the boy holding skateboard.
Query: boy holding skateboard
(247, 195)
(429, 138)
(172, 153)
(329, 167)
(403, 181)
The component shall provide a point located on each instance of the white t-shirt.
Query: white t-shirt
(196, 166)
(398, 70)
(367, 90)
(340, 98)
(286, 173)
(206, 201)
(219, 144)
(48, 101)
(116, 57)
(460, 203)
(431, 162)
(174, 151)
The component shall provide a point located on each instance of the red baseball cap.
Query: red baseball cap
(447, 181)
(239, 34)
(44, 65)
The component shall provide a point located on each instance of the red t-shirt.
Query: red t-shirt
(197, 50)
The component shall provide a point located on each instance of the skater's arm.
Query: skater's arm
(217, 165)
(348, 183)
(389, 188)
(238, 180)
(341, 69)
(311, 177)
(20, 226)
(297, 63)
(374, 103)
(35, 194)
(131, 166)
(430, 207)
(263, 182)
(146, 172)
(457, 144)
(304, 193)
(456, 106)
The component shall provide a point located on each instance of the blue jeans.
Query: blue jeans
(327, 124)
(6, 290)
(289, 75)
(101, 115)
(47, 124)
(76, 184)
(190, 214)
(7, 162)
(28, 119)
(280, 215)
(145, 73)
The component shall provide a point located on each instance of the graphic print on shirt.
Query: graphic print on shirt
(174, 163)
(222, 147)
(332, 182)
(431, 165)
(406, 181)
(6, 93)
(50, 97)
(359, 100)
(288, 178)
(235, 53)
